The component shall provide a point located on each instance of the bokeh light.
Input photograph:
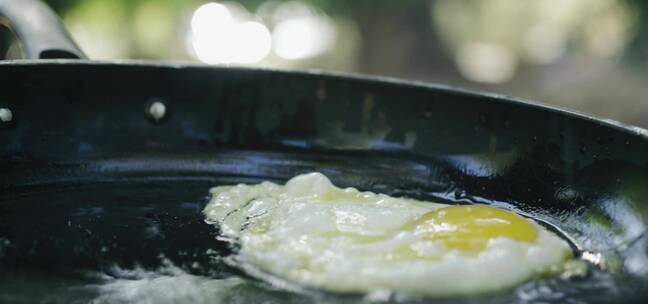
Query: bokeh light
(217, 37)
(300, 31)
(301, 38)
(486, 62)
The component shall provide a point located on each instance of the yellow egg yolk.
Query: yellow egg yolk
(470, 227)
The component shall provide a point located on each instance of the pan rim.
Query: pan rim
(633, 130)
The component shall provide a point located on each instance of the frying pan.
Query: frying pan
(105, 167)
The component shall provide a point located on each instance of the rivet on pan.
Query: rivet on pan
(156, 110)
(6, 115)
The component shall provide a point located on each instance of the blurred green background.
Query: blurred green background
(587, 55)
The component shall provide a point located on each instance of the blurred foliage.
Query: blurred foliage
(355, 8)
(370, 15)
(360, 10)
(144, 26)
(638, 50)
(331, 6)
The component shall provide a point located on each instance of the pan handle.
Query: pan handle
(41, 33)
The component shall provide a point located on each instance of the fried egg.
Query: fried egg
(317, 235)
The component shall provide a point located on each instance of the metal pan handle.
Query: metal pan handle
(39, 30)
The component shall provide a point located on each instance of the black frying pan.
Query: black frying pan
(106, 165)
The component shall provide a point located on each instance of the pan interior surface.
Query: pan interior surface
(133, 236)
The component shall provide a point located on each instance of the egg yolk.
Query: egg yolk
(470, 227)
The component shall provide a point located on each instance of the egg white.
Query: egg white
(343, 240)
